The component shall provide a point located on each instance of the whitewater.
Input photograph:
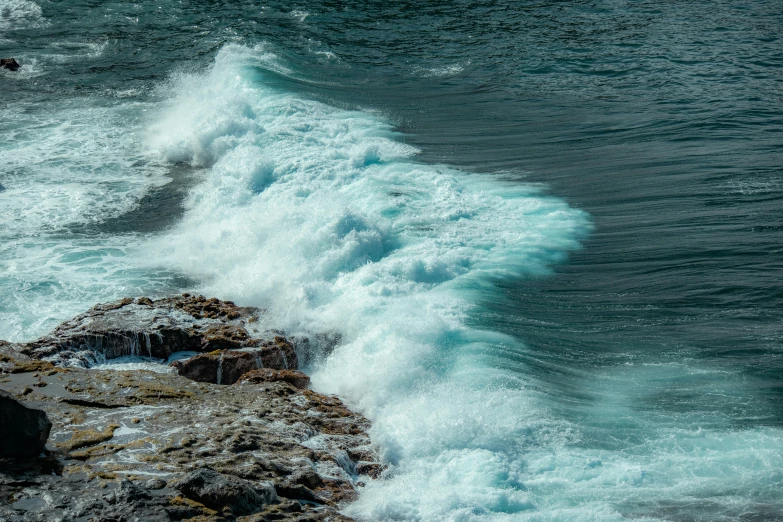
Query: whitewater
(322, 217)
(327, 218)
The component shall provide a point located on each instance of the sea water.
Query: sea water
(545, 237)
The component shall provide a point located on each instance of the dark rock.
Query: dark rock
(146, 301)
(307, 477)
(219, 491)
(258, 434)
(9, 63)
(127, 491)
(226, 367)
(293, 377)
(298, 492)
(316, 347)
(240, 442)
(23, 430)
(201, 368)
(371, 469)
(155, 483)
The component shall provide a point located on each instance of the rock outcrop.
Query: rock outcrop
(226, 492)
(293, 377)
(9, 63)
(152, 328)
(140, 445)
(227, 366)
(23, 430)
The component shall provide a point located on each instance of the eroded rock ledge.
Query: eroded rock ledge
(142, 445)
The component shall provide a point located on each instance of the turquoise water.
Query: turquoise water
(546, 234)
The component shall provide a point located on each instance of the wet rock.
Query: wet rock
(153, 428)
(152, 328)
(316, 347)
(227, 366)
(9, 63)
(293, 377)
(155, 483)
(23, 430)
(36, 492)
(298, 491)
(201, 368)
(218, 491)
(122, 440)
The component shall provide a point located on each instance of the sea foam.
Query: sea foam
(323, 217)
(19, 14)
(68, 165)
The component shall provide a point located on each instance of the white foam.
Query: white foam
(74, 163)
(134, 362)
(299, 16)
(66, 51)
(19, 14)
(66, 165)
(324, 217)
(442, 71)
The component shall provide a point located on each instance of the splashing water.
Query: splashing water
(323, 217)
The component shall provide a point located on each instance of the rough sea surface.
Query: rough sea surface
(548, 235)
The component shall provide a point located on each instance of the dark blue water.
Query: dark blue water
(549, 232)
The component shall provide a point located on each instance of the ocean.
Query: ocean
(539, 244)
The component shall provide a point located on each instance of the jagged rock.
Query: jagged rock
(38, 490)
(298, 491)
(272, 450)
(130, 501)
(9, 63)
(23, 430)
(218, 491)
(226, 367)
(155, 483)
(153, 328)
(293, 377)
(123, 439)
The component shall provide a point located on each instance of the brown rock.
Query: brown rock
(116, 429)
(293, 377)
(258, 434)
(201, 368)
(227, 366)
(152, 328)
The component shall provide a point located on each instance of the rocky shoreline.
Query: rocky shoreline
(227, 430)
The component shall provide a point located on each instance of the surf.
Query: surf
(323, 217)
